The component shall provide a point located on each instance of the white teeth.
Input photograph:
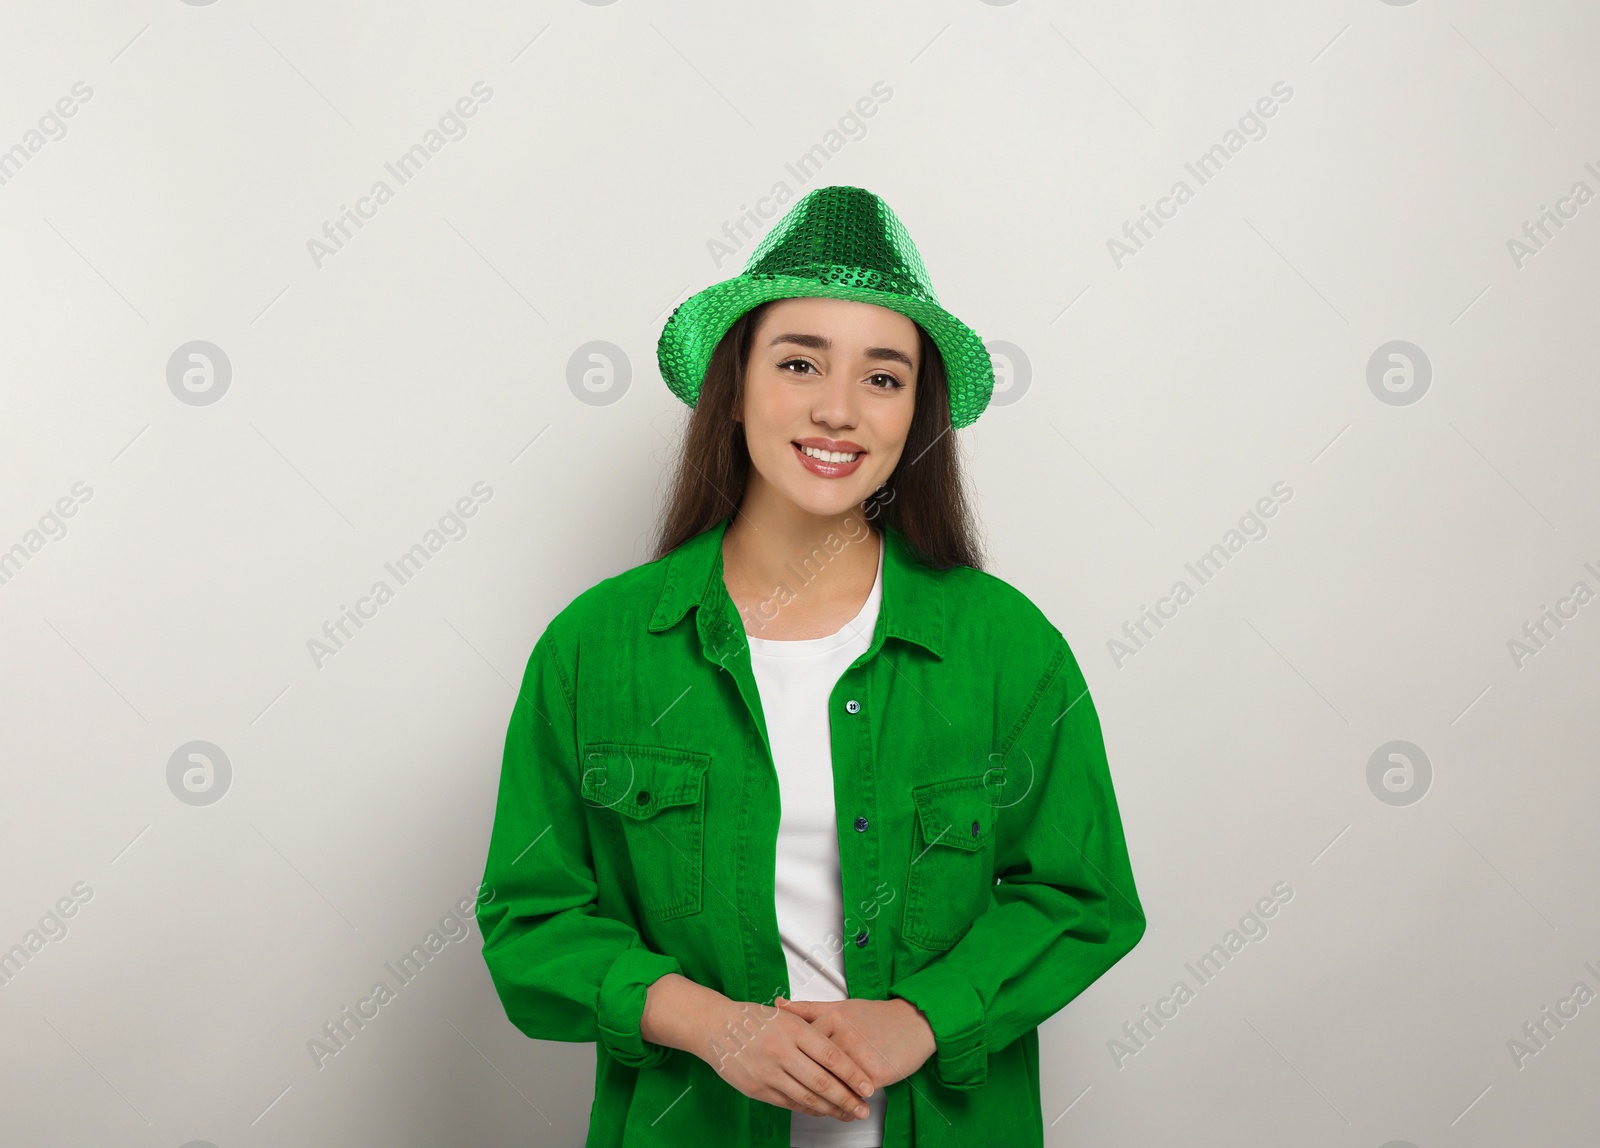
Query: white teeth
(830, 455)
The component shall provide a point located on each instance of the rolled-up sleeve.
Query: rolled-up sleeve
(563, 972)
(1064, 909)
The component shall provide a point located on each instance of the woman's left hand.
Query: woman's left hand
(891, 1039)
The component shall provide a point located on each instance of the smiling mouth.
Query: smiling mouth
(828, 463)
(836, 457)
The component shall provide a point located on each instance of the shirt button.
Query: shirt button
(861, 939)
(974, 828)
(861, 825)
(644, 797)
(852, 706)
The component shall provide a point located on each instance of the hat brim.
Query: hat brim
(698, 324)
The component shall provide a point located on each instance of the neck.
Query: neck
(776, 554)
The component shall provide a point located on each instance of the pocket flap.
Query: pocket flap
(957, 813)
(639, 781)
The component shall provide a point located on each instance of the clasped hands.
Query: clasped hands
(819, 1057)
(827, 1057)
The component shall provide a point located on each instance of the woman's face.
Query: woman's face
(835, 376)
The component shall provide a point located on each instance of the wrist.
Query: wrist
(675, 1009)
(926, 1024)
(655, 1021)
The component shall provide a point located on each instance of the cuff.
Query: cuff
(955, 1012)
(621, 1004)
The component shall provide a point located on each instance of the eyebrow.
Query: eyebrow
(822, 343)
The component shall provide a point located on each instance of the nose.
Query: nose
(835, 404)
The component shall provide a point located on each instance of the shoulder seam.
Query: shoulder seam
(546, 647)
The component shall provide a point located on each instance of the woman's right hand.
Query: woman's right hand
(766, 1053)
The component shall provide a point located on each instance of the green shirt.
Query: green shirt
(985, 875)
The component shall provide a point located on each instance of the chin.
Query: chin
(826, 504)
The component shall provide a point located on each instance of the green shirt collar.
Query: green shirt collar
(912, 606)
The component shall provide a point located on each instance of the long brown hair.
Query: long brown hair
(925, 499)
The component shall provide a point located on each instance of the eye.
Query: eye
(792, 362)
(894, 383)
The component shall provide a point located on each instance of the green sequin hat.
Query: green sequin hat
(835, 243)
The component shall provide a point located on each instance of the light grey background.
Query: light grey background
(1164, 397)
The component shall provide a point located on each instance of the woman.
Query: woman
(810, 750)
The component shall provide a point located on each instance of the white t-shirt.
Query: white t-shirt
(795, 679)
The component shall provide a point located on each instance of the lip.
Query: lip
(828, 469)
(842, 445)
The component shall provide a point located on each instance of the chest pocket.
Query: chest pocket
(656, 798)
(952, 863)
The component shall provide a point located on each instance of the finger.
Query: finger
(790, 1092)
(779, 1096)
(818, 1090)
(810, 1010)
(871, 1058)
(807, 1009)
(833, 1061)
(822, 1046)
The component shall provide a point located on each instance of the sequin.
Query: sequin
(836, 243)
